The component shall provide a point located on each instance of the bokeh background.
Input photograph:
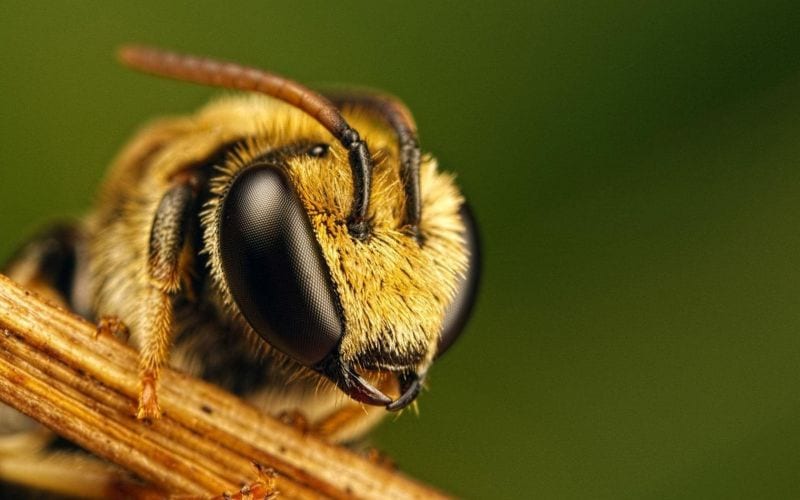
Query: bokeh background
(636, 170)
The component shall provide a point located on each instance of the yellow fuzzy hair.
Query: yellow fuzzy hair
(393, 291)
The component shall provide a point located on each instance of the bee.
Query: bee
(293, 247)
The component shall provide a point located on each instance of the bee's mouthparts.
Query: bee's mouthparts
(410, 385)
(358, 388)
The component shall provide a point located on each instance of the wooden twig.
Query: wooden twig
(56, 370)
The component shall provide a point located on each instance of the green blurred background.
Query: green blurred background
(636, 170)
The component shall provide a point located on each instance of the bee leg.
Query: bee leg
(167, 238)
(352, 419)
(112, 325)
(255, 491)
(263, 489)
(296, 419)
(346, 421)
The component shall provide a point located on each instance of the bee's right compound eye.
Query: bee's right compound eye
(466, 290)
(274, 266)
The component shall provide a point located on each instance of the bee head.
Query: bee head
(351, 309)
(349, 268)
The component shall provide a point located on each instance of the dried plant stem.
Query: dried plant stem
(54, 369)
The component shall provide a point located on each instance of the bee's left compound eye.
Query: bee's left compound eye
(274, 267)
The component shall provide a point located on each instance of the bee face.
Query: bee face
(346, 307)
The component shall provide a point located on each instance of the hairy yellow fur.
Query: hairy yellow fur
(393, 291)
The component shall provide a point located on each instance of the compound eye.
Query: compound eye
(274, 267)
(466, 290)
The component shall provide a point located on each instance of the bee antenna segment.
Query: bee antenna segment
(397, 115)
(215, 73)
